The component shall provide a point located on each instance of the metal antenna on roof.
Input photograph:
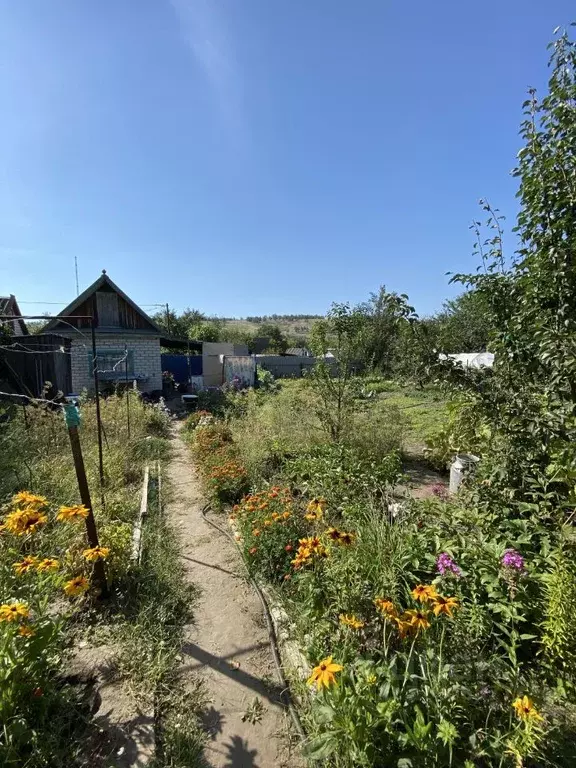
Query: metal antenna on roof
(76, 270)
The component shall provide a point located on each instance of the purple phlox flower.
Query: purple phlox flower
(439, 491)
(513, 560)
(445, 563)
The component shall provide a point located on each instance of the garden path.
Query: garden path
(227, 646)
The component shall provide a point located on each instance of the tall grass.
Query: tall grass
(149, 604)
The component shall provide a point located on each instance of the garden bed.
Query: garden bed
(422, 623)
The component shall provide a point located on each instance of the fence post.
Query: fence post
(72, 416)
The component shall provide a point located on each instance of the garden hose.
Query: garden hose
(271, 634)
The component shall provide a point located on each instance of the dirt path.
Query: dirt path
(227, 646)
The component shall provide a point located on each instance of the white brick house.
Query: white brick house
(127, 340)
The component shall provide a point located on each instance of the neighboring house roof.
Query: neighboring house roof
(9, 306)
(298, 352)
(104, 282)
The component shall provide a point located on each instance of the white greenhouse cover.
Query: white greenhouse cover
(472, 359)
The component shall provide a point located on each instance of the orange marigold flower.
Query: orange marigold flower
(267, 522)
(288, 547)
(256, 532)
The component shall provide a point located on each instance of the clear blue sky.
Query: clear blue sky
(258, 156)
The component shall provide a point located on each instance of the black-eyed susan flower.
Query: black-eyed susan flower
(23, 521)
(78, 512)
(26, 564)
(386, 607)
(525, 709)
(27, 499)
(444, 605)
(325, 673)
(316, 507)
(48, 564)
(346, 538)
(349, 620)
(417, 619)
(424, 593)
(96, 553)
(14, 612)
(76, 586)
(25, 630)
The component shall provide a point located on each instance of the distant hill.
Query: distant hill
(290, 325)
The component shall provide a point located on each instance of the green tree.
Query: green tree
(278, 342)
(529, 402)
(178, 325)
(342, 333)
(386, 314)
(463, 325)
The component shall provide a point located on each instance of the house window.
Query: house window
(112, 363)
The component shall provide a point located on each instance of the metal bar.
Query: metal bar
(98, 414)
(126, 391)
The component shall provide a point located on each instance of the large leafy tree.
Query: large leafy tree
(530, 401)
(463, 324)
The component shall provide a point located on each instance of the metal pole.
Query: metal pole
(167, 319)
(91, 532)
(127, 391)
(98, 415)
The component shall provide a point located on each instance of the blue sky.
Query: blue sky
(258, 156)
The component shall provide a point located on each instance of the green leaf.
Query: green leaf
(320, 747)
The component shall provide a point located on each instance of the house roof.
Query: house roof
(9, 306)
(298, 352)
(102, 281)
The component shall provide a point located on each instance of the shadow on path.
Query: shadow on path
(209, 565)
(268, 691)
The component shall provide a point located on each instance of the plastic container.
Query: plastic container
(463, 464)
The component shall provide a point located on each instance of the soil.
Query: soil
(422, 478)
(227, 647)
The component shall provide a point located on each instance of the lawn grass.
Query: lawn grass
(424, 410)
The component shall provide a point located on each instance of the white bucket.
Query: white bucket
(463, 464)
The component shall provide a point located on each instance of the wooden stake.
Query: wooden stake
(91, 532)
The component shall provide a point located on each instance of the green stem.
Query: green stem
(408, 660)
(440, 651)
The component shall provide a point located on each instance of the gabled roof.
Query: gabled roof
(9, 306)
(102, 281)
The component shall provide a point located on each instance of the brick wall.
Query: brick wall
(146, 354)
